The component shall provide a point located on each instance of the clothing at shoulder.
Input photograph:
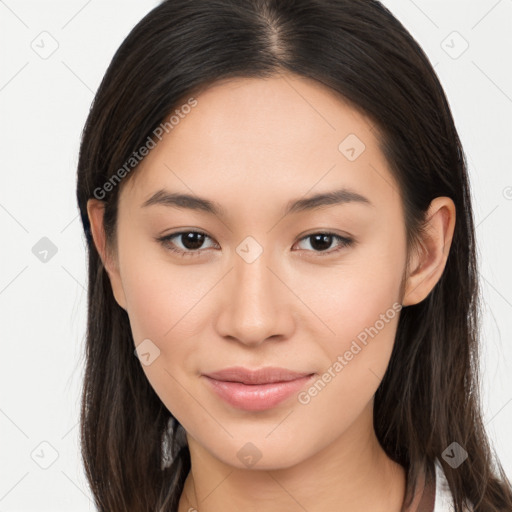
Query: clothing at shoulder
(444, 499)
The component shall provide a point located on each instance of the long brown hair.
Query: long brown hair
(429, 396)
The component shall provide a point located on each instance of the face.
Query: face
(313, 288)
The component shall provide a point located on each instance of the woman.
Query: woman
(283, 292)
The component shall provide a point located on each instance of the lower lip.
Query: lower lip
(256, 397)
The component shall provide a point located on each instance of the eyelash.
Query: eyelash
(166, 242)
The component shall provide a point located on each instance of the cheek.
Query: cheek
(363, 311)
(166, 304)
(163, 305)
(162, 297)
(359, 302)
(361, 292)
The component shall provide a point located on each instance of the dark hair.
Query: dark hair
(428, 397)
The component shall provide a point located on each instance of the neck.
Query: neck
(353, 474)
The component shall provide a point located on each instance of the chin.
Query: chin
(262, 455)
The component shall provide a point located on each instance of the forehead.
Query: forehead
(262, 138)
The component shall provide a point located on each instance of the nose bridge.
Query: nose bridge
(253, 280)
(254, 304)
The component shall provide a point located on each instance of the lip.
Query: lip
(256, 390)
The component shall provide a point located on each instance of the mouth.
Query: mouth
(256, 390)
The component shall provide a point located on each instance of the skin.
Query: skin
(253, 145)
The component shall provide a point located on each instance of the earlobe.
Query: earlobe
(429, 260)
(95, 211)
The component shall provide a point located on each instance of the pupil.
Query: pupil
(193, 240)
(325, 242)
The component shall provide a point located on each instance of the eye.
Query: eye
(322, 241)
(192, 242)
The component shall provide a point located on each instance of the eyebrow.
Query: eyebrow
(179, 200)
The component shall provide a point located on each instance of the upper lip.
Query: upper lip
(259, 376)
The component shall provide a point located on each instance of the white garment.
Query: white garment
(444, 498)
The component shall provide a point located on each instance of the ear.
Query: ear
(429, 259)
(95, 211)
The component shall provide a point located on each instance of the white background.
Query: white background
(44, 104)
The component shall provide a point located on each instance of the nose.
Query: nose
(255, 303)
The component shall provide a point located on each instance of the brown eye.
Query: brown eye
(320, 242)
(191, 242)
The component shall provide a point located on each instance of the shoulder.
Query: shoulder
(444, 499)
